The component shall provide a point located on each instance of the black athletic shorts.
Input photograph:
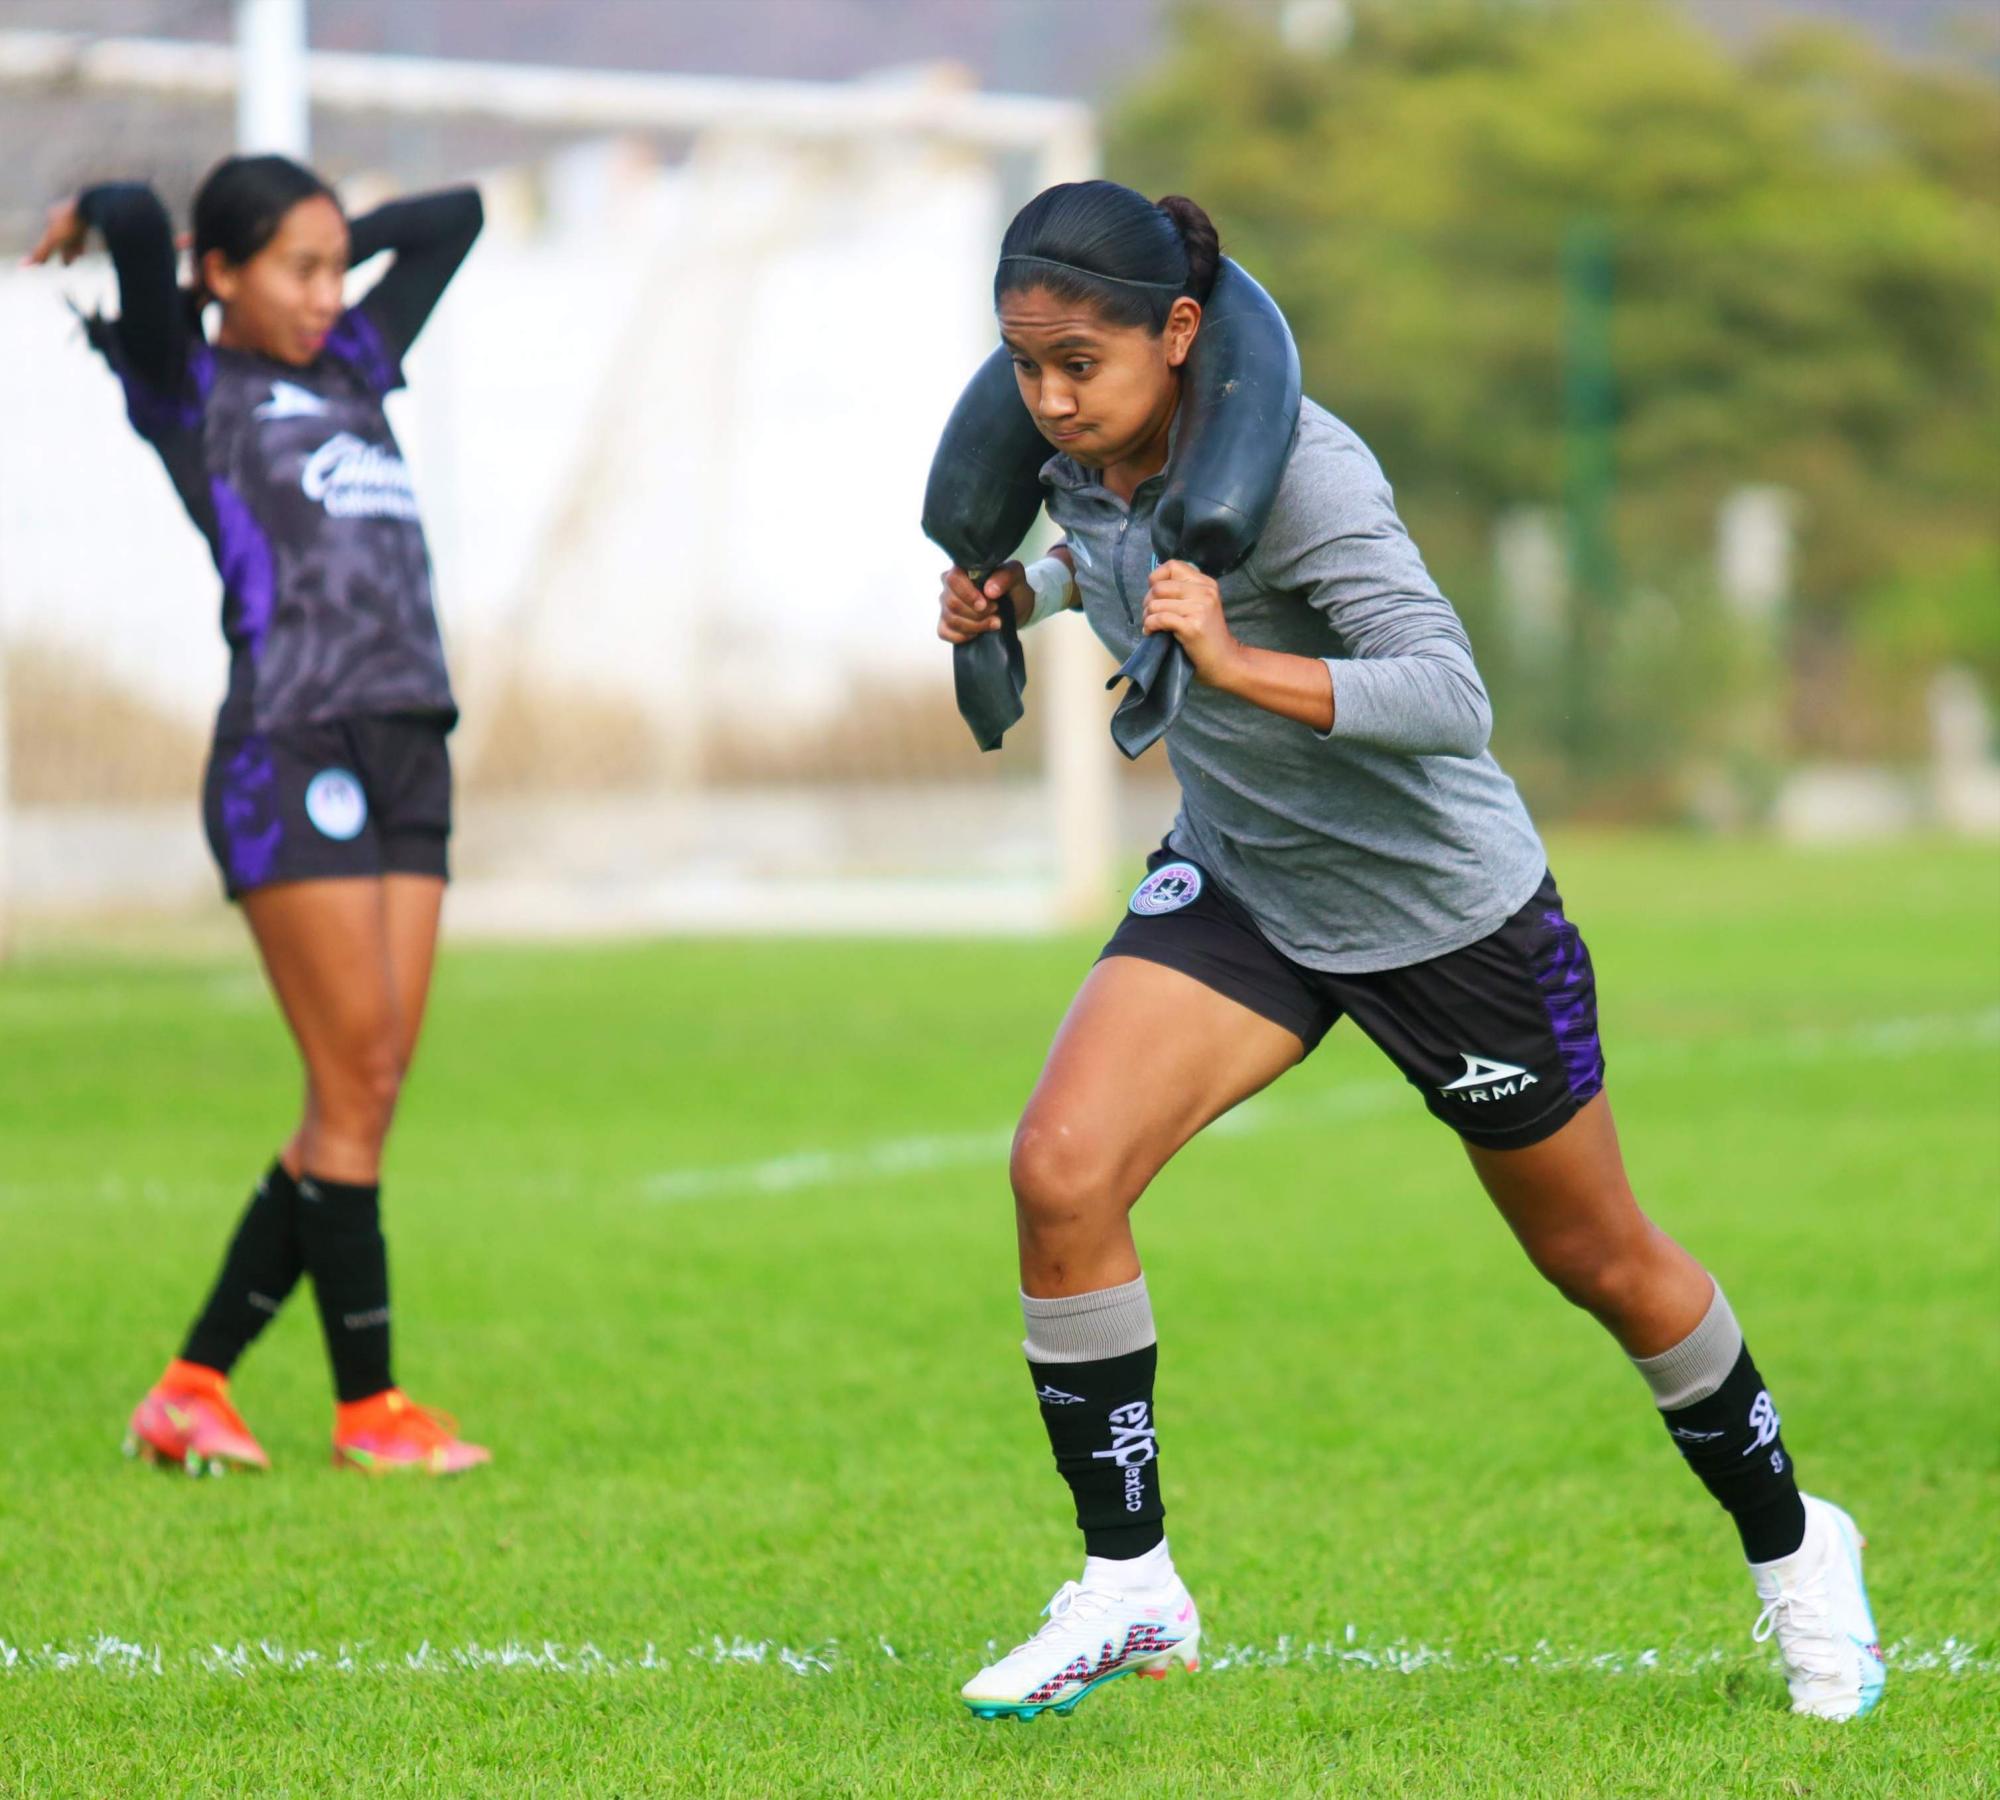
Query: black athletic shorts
(365, 796)
(1500, 1038)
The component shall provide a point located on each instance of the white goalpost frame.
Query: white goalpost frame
(273, 112)
(273, 105)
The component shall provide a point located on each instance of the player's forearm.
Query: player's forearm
(1293, 687)
(137, 232)
(448, 220)
(1427, 704)
(430, 235)
(1058, 588)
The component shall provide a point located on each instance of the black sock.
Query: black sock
(340, 1226)
(1731, 1441)
(259, 1270)
(1099, 1417)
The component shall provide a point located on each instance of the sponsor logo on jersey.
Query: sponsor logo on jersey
(290, 401)
(338, 809)
(1488, 1079)
(1763, 1421)
(357, 480)
(1169, 888)
(1054, 1396)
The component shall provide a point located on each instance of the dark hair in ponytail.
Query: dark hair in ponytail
(1111, 249)
(240, 205)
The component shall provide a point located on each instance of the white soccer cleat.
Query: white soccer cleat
(1095, 1634)
(1816, 1604)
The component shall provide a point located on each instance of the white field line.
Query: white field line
(1888, 1039)
(110, 1655)
(802, 1171)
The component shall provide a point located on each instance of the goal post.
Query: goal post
(616, 543)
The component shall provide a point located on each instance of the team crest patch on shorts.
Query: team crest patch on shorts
(336, 805)
(1169, 888)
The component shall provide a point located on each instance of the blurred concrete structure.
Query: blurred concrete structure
(1965, 775)
(1532, 573)
(1753, 554)
(671, 447)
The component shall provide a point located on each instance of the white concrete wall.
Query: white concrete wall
(672, 444)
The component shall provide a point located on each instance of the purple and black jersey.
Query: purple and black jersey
(293, 474)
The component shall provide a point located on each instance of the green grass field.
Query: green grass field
(712, 1243)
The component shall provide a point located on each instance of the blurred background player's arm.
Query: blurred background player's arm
(152, 322)
(429, 236)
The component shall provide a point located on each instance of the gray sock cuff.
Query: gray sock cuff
(1113, 1321)
(1699, 1364)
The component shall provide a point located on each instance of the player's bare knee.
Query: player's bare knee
(358, 1098)
(1605, 1279)
(1060, 1176)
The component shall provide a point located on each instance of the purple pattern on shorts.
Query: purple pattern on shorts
(249, 571)
(1569, 995)
(355, 340)
(251, 826)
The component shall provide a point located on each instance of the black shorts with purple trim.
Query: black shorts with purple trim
(365, 796)
(1500, 1037)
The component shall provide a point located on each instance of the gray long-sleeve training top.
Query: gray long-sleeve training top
(1393, 838)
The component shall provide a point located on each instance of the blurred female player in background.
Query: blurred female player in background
(1345, 844)
(328, 793)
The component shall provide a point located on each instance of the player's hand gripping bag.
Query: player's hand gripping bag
(1239, 412)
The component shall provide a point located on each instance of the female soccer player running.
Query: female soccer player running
(328, 794)
(1345, 845)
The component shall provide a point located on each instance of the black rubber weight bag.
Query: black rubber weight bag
(1239, 413)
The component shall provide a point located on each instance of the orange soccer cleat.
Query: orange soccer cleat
(187, 1421)
(389, 1432)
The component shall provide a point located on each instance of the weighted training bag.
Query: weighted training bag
(1239, 414)
(980, 502)
(1239, 410)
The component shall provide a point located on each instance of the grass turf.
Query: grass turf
(711, 1241)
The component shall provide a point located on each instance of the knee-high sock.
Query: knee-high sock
(1092, 1357)
(1718, 1411)
(341, 1228)
(259, 1270)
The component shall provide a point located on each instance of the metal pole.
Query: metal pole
(273, 108)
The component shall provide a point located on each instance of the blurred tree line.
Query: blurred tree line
(1792, 257)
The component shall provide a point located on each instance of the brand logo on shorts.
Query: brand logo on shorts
(1486, 1079)
(336, 805)
(1169, 888)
